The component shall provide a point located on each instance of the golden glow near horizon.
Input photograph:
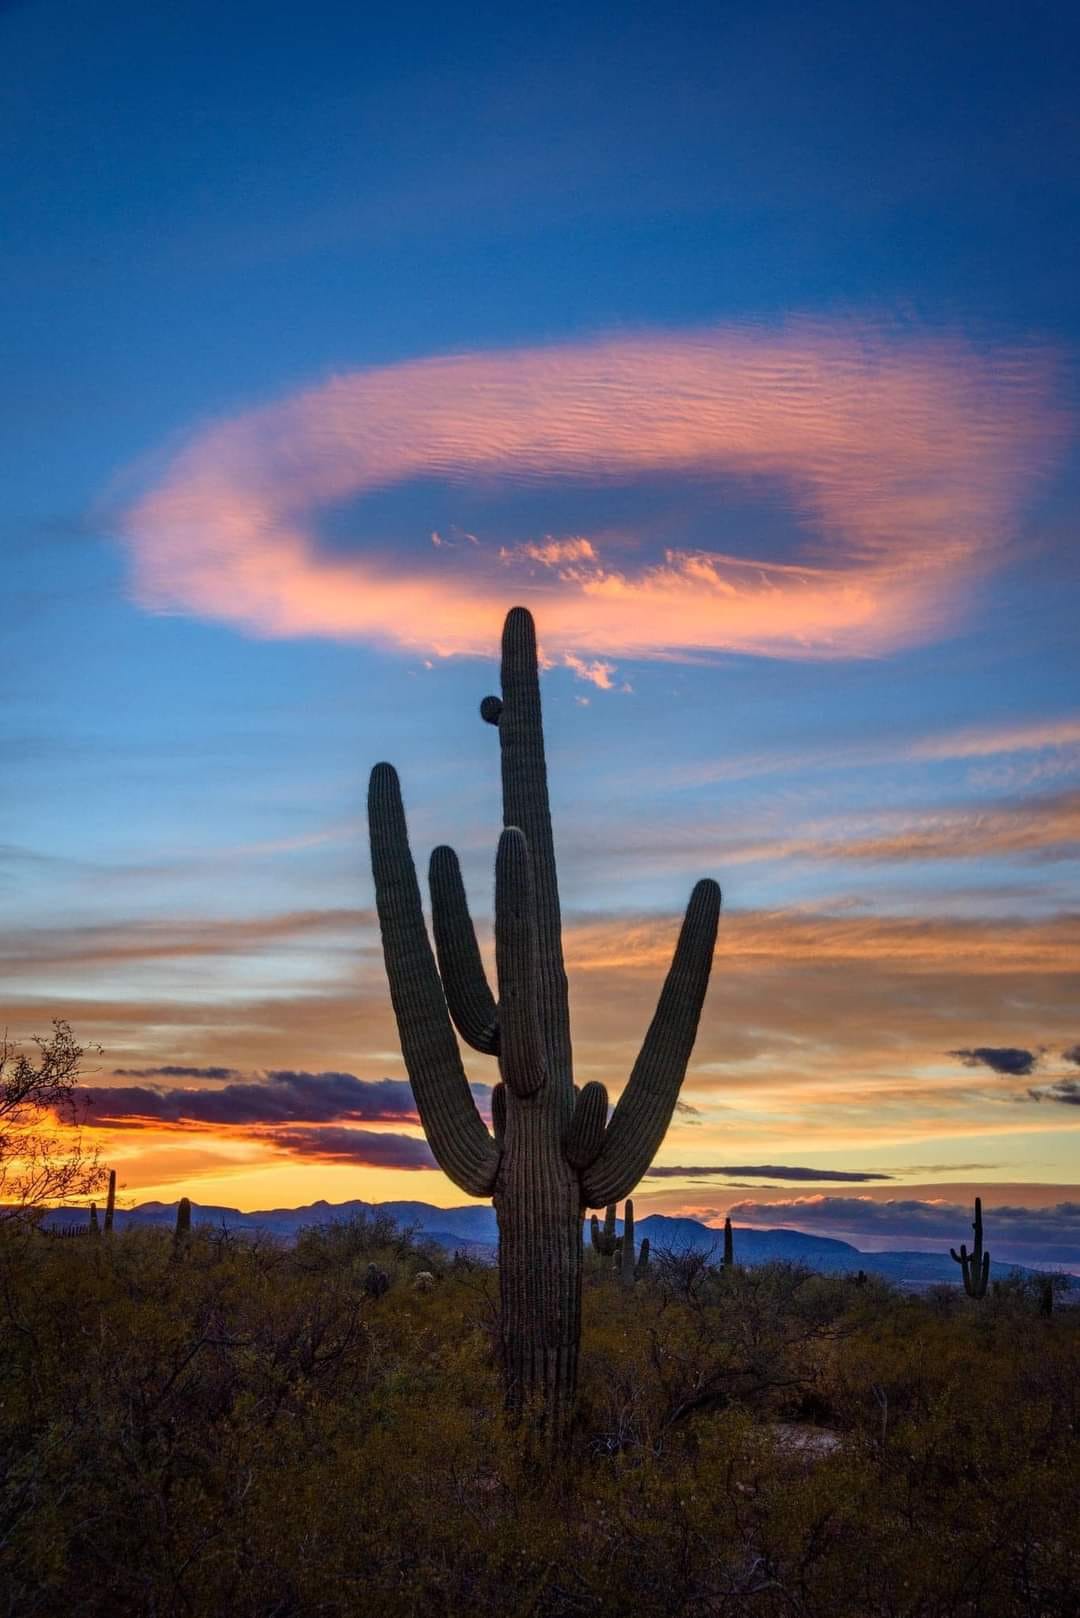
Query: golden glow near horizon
(801, 1060)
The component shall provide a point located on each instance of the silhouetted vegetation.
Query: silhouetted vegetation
(629, 1265)
(39, 1088)
(974, 1266)
(256, 1431)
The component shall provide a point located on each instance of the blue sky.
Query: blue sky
(296, 311)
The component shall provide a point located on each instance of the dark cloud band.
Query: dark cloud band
(765, 1171)
(1011, 1060)
(173, 1072)
(366, 1148)
(282, 1097)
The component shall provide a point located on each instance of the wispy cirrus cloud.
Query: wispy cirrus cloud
(1056, 740)
(909, 944)
(105, 944)
(1034, 829)
(905, 460)
(991, 740)
(625, 940)
(1047, 827)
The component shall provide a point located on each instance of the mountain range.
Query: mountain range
(473, 1229)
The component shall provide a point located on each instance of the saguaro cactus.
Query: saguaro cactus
(605, 1240)
(631, 1267)
(553, 1154)
(110, 1204)
(628, 1266)
(182, 1231)
(975, 1267)
(729, 1245)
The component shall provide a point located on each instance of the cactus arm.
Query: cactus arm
(645, 1107)
(526, 805)
(585, 1137)
(965, 1267)
(455, 1131)
(471, 1002)
(521, 1044)
(643, 1260)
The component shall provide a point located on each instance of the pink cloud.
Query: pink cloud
(987, 741)
(906, 461)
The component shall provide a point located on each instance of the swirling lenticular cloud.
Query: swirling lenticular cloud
(904, 463)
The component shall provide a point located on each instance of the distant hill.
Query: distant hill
(473, 1229)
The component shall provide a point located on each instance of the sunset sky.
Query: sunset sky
(737, 341)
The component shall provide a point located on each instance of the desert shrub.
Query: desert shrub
(245, 1431)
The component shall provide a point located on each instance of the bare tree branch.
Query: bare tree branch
(43, 1155)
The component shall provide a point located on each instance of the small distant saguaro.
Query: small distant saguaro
(553, 1153)
(628, 1265)
(974, 1266)
(182, 1229)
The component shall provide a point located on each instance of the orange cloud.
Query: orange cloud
(598, 672)
(905, 459)
(1045, 828)
(1036, 829)
(751, 939)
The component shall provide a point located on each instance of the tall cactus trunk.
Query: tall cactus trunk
(110, 1205)
(554, 1153)
(538, 1205)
